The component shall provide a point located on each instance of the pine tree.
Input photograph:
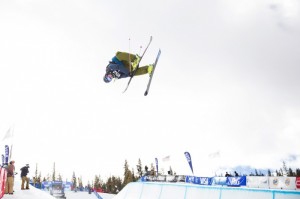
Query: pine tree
(118, 184)
(297, 172)
(97, 182)
(280, 172)
(109, 185)
(134, 178)
(48, 177)
(36, 173)
(269, 172)
(114, 184)
(290, 173)
(59, 177)
(53, 173)
(152, 169)
(139, 168)
(74, 181)
(127, 174)
(39, 178)
(284, 168)
(80, 183)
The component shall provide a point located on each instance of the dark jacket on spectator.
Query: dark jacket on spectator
(24, 171)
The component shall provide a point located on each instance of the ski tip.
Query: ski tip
(146, 93)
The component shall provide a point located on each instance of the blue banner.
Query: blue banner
(205, 180)
(219, 181)
(189, 159)
(199, 180)
(156, 163)
(6, 154)
(236, 181)
(144, 179)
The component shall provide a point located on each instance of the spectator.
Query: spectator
(24, 172)
(9, 188)
(236, 174)
(227, 174)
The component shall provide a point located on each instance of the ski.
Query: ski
(133, 73)
(151, 75)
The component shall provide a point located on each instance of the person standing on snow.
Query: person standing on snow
(24, 172)
(123, 65)
(9, 188)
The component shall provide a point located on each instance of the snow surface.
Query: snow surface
(34, 193)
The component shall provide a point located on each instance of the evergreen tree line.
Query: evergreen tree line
(37, 178)
(285, 171)
(114, 184)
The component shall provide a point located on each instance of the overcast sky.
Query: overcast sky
(227, 82)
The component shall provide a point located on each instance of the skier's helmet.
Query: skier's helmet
(108, 77)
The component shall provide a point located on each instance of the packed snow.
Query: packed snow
(34, 193)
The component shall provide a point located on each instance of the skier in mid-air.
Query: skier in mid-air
(124, 65)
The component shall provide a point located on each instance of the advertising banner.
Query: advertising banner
(219, 181)
(198, 180)
(3, 174)
(282, 182)
(144, 178)
(236, 181)
(68, 186)
(257, 182)
(298, 182)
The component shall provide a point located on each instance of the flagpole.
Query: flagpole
(12, 139)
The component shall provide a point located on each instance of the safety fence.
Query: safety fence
(3, 174)
(265, 182)
(167, 190)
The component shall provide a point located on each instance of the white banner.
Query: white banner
(257, 182)
(282, 182)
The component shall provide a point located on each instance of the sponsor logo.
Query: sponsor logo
(287, 182)
(204, 181)
(235, 181)
(275, 181)
(188, 157)
(191, 178)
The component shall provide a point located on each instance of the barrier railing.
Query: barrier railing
(265, 182)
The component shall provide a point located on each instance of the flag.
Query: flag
(8, 142)
(8, 134)
(167, 158)
(6, 154)
(189, 159)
